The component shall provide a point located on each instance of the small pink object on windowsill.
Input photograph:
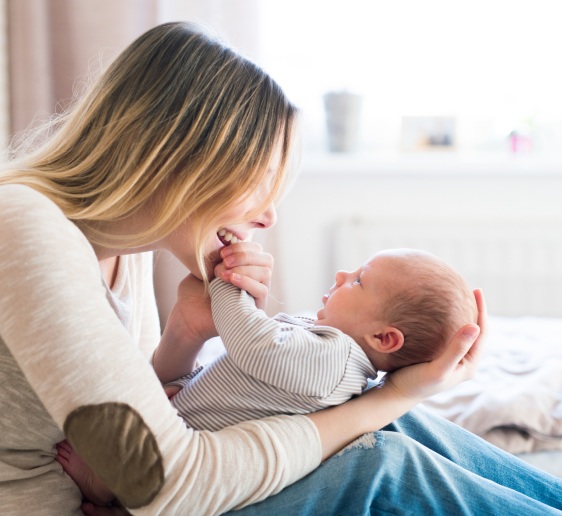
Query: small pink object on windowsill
(520, 143)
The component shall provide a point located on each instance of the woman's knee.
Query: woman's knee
(377, 454)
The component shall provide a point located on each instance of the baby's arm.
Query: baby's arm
(288, 356)
(191, 324)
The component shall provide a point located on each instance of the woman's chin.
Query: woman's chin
(197, 274)
(211, 260)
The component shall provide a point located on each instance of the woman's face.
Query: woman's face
(181, 242)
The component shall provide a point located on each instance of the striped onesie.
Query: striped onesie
(272, 366)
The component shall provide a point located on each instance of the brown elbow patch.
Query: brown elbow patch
(116, 443)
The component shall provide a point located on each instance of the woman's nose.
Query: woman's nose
(268, 218)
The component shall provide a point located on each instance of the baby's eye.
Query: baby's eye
(357, 281)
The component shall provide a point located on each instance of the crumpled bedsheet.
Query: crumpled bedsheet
(515, 399)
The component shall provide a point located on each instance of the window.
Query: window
(492, 64)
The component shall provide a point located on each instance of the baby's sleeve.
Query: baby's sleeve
(287, 356)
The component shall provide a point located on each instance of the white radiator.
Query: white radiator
(517, 263)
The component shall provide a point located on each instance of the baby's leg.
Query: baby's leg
(90, 485)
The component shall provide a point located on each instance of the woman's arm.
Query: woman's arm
(403, 389)
(189, 326)
(95, 383)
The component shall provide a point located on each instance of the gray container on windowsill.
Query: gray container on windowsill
(343, 110)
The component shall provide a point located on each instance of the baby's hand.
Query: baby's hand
(248, 267)
(171, 390)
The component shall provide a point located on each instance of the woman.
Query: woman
(179, 139)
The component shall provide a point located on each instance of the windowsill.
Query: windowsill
(430, 163)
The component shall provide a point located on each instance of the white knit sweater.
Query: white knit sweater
(63, 347)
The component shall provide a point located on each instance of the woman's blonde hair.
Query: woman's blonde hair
(176, 113)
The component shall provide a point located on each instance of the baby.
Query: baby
(400, 308)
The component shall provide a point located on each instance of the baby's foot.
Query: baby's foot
(90, 485)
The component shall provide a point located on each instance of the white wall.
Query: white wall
(443, 187)
(485, 190)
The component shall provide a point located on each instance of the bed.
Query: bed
(515, 399)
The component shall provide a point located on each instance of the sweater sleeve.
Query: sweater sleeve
(311, 362)
(97, 385)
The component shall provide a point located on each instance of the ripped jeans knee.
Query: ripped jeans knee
(365, 442)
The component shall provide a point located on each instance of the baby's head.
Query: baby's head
(402, 307)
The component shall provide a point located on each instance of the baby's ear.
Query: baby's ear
(389, 340)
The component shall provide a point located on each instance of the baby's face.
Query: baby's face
(354, 302)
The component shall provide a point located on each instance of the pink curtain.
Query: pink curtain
(52, 43)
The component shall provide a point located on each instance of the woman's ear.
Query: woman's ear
(389, 340)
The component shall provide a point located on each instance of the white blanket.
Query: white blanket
(515, 399)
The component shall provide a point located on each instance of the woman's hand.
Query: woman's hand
(190, 324)
(456, 364)
(248, 267)
(406, 387)
(193, 310)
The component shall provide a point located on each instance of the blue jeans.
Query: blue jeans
(421, 465)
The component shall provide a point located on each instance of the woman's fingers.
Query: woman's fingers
(466, 346)
(455, 365)
(482, 314)
(474, 353)
(462, 353)
(63, 445)
(257, 288)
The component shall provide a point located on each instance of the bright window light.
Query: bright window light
(493, 64)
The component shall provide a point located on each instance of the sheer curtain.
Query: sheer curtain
(4, 94)
(51, 43)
